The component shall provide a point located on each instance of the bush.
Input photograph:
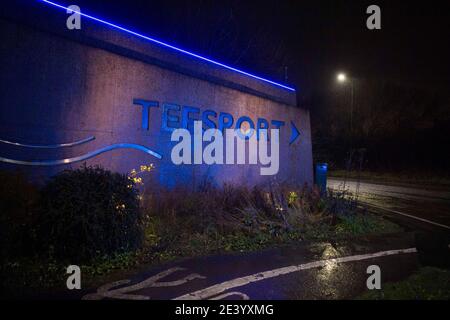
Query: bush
(18, 200)
(87, 213)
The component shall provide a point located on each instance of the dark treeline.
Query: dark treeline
(398, 127)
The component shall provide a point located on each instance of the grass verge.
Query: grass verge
(428, 283)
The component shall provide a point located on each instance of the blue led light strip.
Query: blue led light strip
(170, 46)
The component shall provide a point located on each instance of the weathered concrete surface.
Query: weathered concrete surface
(59, 86)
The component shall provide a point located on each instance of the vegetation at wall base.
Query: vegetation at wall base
(88, 212)
(175, 223)
(78, 216)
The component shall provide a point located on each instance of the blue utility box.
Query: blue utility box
(321, 176)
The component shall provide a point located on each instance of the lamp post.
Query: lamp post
(342, 78)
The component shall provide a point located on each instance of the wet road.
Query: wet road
(307, 271)
(426, 202)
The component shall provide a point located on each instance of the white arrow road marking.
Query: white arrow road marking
(106, 291)
(239, 282)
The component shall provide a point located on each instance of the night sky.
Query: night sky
(313, 39)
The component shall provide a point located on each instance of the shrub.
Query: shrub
(18, 199)
(87, 213)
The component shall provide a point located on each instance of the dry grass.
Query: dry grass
(276, 208)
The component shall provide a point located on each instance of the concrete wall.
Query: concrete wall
(60, 86)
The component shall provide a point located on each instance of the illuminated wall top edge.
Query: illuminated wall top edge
(171, 47)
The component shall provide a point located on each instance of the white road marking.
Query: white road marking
(107, 291)
(233, 293)
(239, 282)
(409, 216)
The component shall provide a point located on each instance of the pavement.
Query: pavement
(307, 271)
(328, 270)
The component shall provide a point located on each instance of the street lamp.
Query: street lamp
(341, 77)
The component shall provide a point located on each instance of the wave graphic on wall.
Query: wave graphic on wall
(49, 146)
(74, 159)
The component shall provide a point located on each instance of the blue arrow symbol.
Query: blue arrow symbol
(294, 133)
